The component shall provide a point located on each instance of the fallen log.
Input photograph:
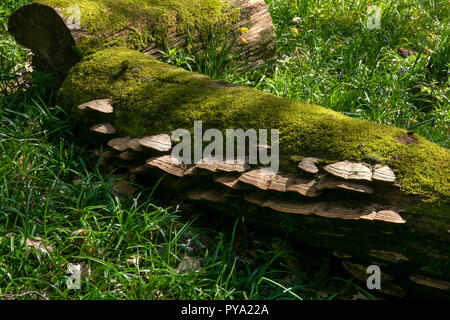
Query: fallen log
(376, 193)
(60, 32)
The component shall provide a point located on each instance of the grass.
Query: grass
(52, 189)
(328, 56)
(133, 249)
(331, 58)
(216, 59)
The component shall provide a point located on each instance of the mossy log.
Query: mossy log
(60, 32)
(376, 193)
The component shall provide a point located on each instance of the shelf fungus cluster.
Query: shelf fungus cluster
(287, 192)
(341, 190)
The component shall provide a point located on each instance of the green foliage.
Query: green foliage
(179, 58)
(44, 82)
(217, 59)
(214, 56)
(153, 97)
(328, 56)
(12, 58)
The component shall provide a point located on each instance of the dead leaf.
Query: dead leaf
(21, 295)
(79, 233)
(134, 259)
(407, 139)
(82, 269)
(404, 52)
(158, 294)
(37, 244)
(20, 162)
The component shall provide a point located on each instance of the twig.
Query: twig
(16, 296)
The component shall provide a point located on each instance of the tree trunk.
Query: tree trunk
(372, 193)
(60, 32)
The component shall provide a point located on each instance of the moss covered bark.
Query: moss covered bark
(151, 97)
(139, 24)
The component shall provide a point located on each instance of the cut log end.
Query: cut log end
(57, 55)
(48, 29)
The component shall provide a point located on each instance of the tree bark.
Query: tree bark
(60, 32)
(372, 192)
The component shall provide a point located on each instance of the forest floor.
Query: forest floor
(58, 213)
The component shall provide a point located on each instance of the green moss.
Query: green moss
(138, 24)
(152, 97)
(434, 213)
(436, 269)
